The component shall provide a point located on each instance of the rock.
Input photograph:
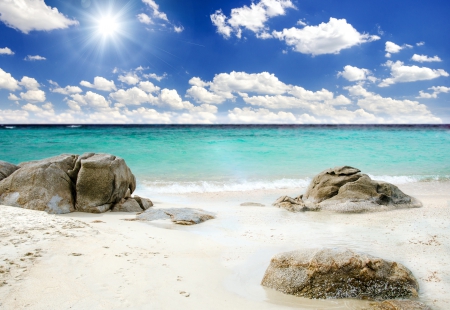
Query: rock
(182, 216)
(42, 185)
(102, 180)
(127, 205)
(399, 305)
(293, 204)
(145, 203)
(327, 183)
(6, 169)
(346, 189)
(252, 204)
(338, 273)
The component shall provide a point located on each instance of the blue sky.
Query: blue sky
(266, 61)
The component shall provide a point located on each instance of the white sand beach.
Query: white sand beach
(109, 261)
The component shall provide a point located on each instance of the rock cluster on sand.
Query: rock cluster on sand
(88, 183)
(346, 189)
(6, 169)
(338, 273)
(182, 216)
(399, 305)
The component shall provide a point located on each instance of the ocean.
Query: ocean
(218, 158)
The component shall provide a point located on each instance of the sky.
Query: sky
(224, 62)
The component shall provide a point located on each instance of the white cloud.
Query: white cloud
(420, 43)
(34, 58)
(253, 17)
(155, 10)
(148, 86)
(170, 98)
(7, 81)
(155, 76)
(424, 58)
(6, 51)
(100, 83)
(260, 116)
(202, 95)
(178, 29)
(13, 97)
(402, 74)
(29, 83)
(131, 96)
(68, 90)
(395, 109)
(148, 116)
(301, 23)
(130, 78)
(90, 99)
(325, 38)
(25, 15)
(392, 48)
(436, 91)
(14, 116)
(144, 18)
(352, 74)
(33, 95)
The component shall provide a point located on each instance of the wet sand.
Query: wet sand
(104, 261)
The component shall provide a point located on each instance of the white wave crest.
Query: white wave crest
(214, 186)
(401, 179)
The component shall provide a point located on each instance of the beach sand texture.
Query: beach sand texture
(110, 261)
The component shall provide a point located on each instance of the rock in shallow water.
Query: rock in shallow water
(182, 216)
(345, 189)
(338, 273)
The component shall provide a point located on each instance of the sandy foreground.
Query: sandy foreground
(106, 261)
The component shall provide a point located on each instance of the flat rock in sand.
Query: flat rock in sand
(182, 216)
(127, 205)
(400, 305)
(252, 204)
(338, 273)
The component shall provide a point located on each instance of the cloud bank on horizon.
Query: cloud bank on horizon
(267, 61)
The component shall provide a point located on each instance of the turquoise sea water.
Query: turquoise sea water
(218, 158)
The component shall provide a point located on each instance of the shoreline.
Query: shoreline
(219, 263)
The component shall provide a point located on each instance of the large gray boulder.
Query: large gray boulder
(102, 180)
(338, 273)
(41, 185)
(346, 189)
(6, 169)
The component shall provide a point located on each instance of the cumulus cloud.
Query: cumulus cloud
(171, 99)
(392, 48)
(424, 58)
(253, 17)
(436, 91)
(33, 95)
(260, 116)
(7, 81)
(25, 16)
(34, 58)
(29, 83)
(131, 78)
(148, 86)
(401, 73)
(6, 51)
(68, 90)
(353, 74)
(100, 83)
(90, 99)
(131, 96)
(392, 108)
(154, 76)
(13, 97)
(325, 38)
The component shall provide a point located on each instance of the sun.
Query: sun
(107, 26)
